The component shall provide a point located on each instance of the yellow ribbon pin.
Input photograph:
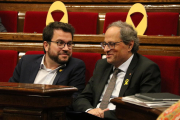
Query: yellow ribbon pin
(126, 82)
(60, 70)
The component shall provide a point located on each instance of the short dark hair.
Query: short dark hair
(49, 29)
(127, 34)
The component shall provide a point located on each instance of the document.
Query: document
(158, 96)
(147, 103)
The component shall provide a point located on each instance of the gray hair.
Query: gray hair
(127, 34)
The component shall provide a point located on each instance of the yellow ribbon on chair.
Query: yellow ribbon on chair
(58, 5)
(141, 28)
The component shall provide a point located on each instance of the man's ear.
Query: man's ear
(131, 44)
(46, 45)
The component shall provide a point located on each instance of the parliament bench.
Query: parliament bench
(83, 22)
(149, 45)
(170, 68)
(8, 61)
(9, 20)
(99, 6)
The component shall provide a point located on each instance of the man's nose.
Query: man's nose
(106, 48)
(65, 47)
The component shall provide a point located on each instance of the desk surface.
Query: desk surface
(127, 111)
(38, 89)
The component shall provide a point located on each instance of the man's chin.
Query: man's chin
(63, 60)
(109, 60)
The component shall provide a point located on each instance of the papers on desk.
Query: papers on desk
(148, 103)
(158, 96)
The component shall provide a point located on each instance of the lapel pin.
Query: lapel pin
(126, 82)
(60, 70)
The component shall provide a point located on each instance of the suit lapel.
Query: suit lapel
(59, 72)
(57, 77)
(34, 70)
(129, 73)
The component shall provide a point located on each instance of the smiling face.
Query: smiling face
(121, 52)
(53, 52)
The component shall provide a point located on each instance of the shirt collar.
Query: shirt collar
(126, 64)
(42, 65)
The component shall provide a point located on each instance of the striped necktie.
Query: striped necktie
(109, 90)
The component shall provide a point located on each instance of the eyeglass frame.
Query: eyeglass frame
(113, 43)
(73, 44)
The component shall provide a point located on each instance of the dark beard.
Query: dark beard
(57, 60)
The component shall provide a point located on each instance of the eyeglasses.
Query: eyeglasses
(111, 45)
(61, 44)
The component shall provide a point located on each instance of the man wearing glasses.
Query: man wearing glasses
(124, 72)
(56, 67)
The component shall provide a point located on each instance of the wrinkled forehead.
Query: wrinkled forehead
(112, 34)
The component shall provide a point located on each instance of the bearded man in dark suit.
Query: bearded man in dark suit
(56, 66)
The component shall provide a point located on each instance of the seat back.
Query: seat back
(112, 17)
(34, 21)
(170, 72)
(162, 23)
(158, 22)
(9, 20)
(8, 60)
(83, 22)
(89, 59)
(34, 52)
(116, 16)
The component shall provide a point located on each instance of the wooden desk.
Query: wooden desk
(20, 101)
(127, 111)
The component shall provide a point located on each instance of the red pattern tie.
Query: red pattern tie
(109, 90)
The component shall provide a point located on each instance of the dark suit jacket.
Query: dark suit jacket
(72, 75)
(142, 73)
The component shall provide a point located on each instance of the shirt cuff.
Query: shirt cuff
(88, 109)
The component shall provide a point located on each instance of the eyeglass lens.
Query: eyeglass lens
(62, 44)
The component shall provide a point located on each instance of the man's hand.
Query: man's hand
(98, 112)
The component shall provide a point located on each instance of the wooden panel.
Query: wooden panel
(149, 45)
(127, 111)
(37, 37)
(100, 8)
(19, 101)
(96, 1)
(159, 50)
(35, 89)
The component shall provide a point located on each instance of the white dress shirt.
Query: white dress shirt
(119, 81)
(44, 75)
